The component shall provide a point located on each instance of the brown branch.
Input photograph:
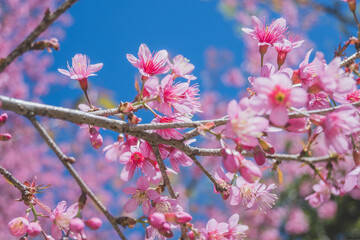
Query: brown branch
(24, 108)
(10, 178)
(349, 60)
(26, 45)
(65, 161)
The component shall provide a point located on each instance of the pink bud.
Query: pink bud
(94, 223)
(34, 229)
(182, 217)
(95, 138)
(298, 125)
(165, 230)
(191, 235)
(249, 171)
(231, 159)
(76, 225)
(157, 220)
(3, 118)
(18, 226)
(259, 156)
(5, 137)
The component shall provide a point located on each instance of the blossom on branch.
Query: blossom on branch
(148, 64)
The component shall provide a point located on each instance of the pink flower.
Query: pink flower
(243, 124)
(148, 64)
(141, 195)
(170, 133)
(178, 157)
(18, 226)
(214, 230)
(297, 222)
(33, 229)
(267, 35)
(337, 128)
(137, 157)
(236, 231)
(178, 217)
(114, 151)
(333, 80)
(231, 159)
(253, 195)
(182, 68)
(61, 218)
(322, 194)
(284, 48)
(249, 171)
(178, 96)
(327, 210)
(352, 180)
(233, 77)
(81, 68)
(275, 95)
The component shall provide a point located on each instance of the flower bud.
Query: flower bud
(259, 156)
(76, 225)
(126, 107)
(266, 147)
(191, 235)
(33, 229)
(298, 125)
(231, 159)
(249, 171)
(18, 226)
(94, 223)
(165, 230)
(3, 118)
(157, 220)
(178, 217)
(5, 137)
(95, 138)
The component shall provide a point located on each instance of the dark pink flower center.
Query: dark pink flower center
(279, 96)
(137, 158)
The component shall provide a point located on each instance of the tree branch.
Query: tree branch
(10, 178)
(65, 161)
(26, 45)
(25, 108)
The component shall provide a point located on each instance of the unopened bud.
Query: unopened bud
(157, 220)
(166, 230)
(231, 159)
(5, 137)
(3, 118)
(94, 223)
(266, 147)
(76, 225)
(191, 235)
(259, 156)
(95, 138)
(178, 217)
(34, 229)
(126, 107)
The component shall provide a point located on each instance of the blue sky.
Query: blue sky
(107, 31)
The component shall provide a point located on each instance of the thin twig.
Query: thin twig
(10, 178)
(26, 45)
(217, 186)
(167, 182)
(64, 159)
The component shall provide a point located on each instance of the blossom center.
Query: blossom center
(137, 158)
(140, 196)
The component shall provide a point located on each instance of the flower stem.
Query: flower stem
(87, 97)
(34, 212)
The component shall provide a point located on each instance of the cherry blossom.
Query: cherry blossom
(148, 64)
